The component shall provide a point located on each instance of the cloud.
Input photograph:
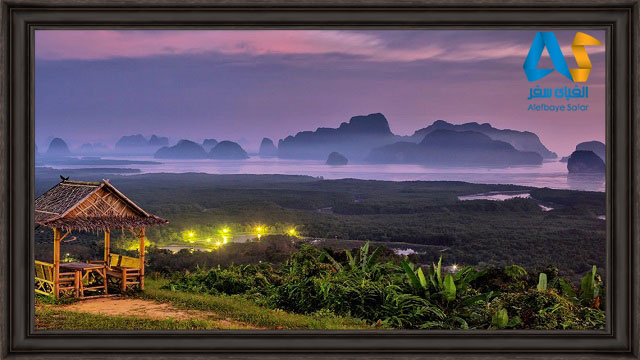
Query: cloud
(366, 45)
(105, 44)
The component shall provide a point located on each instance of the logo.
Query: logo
(548, 40)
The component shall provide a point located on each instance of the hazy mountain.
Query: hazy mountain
(596, 146)
(86, 149)
(454, 148)
(184, 149)
(138, 144)
(520, 140)
(57, 147)
(208, 144)
(336, 158)
(132, 141)
(353, 139)
(158, 141)
(267, 148)
(584, 161)
(228, 150)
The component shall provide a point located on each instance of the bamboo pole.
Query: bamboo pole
(124, 280)
(107, 246)
(142, 238)
(77, 276)
(56, 262)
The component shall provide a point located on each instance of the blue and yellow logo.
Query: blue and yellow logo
(548, 40)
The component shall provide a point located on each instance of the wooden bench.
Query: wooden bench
(45, 281)
(124, 270)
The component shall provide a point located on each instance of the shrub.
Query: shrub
(547, 310)
(357, 284)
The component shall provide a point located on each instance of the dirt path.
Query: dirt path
(123, 306)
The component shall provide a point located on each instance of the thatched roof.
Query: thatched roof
(80, 205)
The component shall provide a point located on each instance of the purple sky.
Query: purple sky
(95, 86)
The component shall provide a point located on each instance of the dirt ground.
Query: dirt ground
(123, 306)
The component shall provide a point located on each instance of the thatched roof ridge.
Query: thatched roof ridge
(62, 197)
(81, 205)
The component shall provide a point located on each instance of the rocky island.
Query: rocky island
(335, 158)
(228, 150)
(57, 148)
(184, 149)
(267, 148)
(584, 161)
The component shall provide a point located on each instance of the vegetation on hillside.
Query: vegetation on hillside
(479, 232)
(209, 313)
(401, 295)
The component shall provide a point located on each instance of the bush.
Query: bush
(547, 310)
(358, 284)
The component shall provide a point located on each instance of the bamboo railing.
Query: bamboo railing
(45, 279)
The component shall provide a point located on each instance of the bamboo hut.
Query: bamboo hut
(90, 206)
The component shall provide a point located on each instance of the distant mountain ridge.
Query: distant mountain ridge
(521, 140)
(357, 138)
(139, 144)
(129, 141)
(158, 141)
(454, 148)
(353, 139)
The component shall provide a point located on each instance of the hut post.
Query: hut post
(107, 246)
(56, 262)
(142, 238)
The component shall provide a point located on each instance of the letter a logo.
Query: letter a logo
(542, 40)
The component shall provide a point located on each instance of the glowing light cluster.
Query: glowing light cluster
(224, 235)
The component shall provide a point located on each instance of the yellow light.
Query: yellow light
(191, 234)
(224, 239)
(225, 230)
(259, 229)
(218, 243)
(208, 239)
(291, 232)
(454, 267)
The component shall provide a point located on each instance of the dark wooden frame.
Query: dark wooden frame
(619, 17)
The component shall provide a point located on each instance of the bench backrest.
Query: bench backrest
(116, 260)
(44, 270)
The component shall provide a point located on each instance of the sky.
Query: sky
(243, 85)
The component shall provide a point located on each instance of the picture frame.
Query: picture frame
(619, 17)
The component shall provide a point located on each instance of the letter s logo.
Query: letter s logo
(584, 65)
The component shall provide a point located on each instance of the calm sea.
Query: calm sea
(552, 174)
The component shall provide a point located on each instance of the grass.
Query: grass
(225, 312)
(241, 310)
(50, 318)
